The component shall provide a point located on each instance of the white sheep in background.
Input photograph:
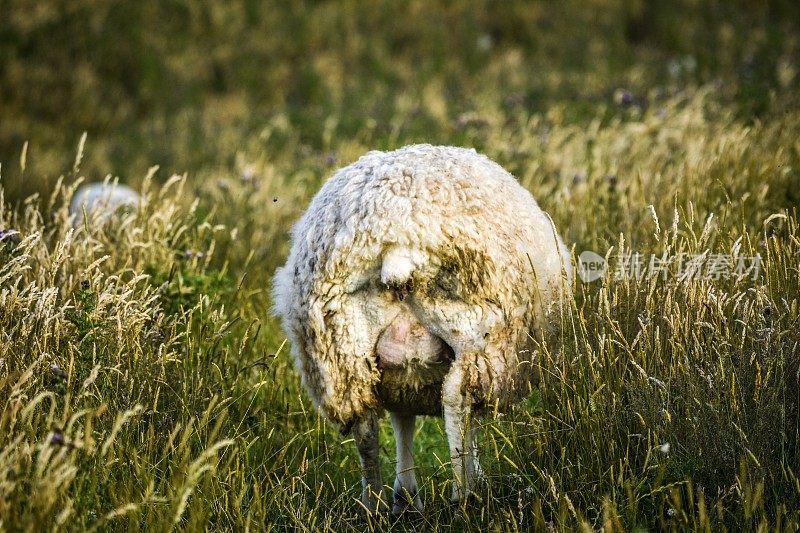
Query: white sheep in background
(101, 201)
(419, 282)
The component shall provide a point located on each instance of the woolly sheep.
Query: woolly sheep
(100, 200)
(419, 281)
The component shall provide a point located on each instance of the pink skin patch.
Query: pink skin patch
(406, 339)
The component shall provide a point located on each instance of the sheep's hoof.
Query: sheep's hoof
(469, 497)
(374, 503)
(406, 499)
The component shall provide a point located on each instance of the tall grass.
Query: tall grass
(144, 385)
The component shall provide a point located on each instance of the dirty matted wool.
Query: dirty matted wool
(483, 267)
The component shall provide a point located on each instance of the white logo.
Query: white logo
(591, 266)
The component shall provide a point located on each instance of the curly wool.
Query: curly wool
(485, 269)
(100, 201)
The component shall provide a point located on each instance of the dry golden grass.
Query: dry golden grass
(143, 384)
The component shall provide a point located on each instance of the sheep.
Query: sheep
(102, 200)
(420, 282)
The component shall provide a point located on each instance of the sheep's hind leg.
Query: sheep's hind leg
(365, 432)
(406, 493)
(460, 429)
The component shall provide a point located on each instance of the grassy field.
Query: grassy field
(143, 383)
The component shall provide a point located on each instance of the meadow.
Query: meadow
(144, 384)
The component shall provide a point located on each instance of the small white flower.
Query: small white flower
(248, 173)
(664, 448)
(674, 68)
(485, 42)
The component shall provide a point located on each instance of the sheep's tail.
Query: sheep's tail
(398, 265)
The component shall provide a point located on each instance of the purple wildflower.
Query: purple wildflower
(57, 437)
(7, 233)
(624, 97)
(189, 254)
(57, 372)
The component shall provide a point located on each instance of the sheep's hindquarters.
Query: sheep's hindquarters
(413, 364)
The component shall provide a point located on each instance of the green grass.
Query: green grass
(174, 402)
